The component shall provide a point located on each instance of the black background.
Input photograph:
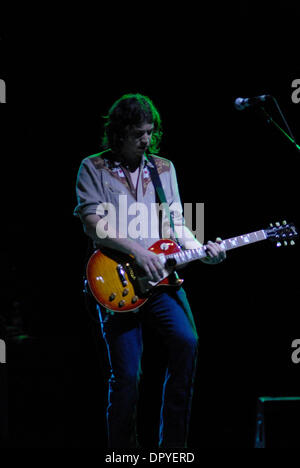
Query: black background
(63, 70)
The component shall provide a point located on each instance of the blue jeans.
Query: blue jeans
(170, 314)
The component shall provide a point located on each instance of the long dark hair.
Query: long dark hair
(127, 111)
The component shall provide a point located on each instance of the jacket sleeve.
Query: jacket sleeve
(89, 190)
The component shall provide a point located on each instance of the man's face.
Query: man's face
(137, 141)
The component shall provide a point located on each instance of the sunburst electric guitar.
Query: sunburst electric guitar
(118, 284)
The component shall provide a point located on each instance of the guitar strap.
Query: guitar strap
(161, 194)
(180, 293)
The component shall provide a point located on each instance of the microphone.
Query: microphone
(243, 103)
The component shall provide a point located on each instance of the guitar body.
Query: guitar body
(118, 284)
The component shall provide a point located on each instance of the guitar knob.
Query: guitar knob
(271, 225)
(121, 303)
(278, 244)
(125, 292)
(284, 223)
(112, 296)
(134, 299)
(292, 242)
(285, 243)
(277, 224)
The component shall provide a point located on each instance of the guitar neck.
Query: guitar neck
(186, 256)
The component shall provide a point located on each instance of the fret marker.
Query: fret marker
(233, 241)
(245, 239)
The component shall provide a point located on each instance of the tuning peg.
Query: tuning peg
(292, 242)
(271, 225)
(278, 244)
(277, 224)
(284, 223)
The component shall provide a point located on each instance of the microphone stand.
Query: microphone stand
(270, 120)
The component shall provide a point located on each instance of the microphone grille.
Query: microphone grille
(238, 103)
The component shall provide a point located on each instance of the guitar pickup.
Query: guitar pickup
(121, 273)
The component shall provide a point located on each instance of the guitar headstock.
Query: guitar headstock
(283, 234)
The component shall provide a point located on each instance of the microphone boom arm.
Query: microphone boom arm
(271, 120)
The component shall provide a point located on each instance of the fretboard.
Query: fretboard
(186, 256)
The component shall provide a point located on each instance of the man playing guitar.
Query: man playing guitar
(123, 171)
